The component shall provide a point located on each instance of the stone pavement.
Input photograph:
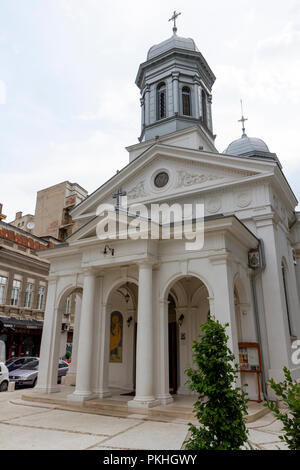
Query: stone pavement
(42, 426)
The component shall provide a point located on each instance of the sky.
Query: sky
(69, 104)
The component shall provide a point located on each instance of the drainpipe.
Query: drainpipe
(256, 315)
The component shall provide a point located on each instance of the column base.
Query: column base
(182, 390)
(165, 399)
(80, 397)
(103, 393)
(143, 402)
(53, 389)
(69, 379)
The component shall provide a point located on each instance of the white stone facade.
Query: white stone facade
(165, 292)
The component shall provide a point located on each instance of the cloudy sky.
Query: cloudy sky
(69, 104)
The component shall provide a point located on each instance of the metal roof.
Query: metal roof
(174, 42)
(246, 145)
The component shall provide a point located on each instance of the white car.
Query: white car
(4, 377)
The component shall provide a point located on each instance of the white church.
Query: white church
(140, 303)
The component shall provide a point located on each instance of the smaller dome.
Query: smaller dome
(246, 145)
(174, 42)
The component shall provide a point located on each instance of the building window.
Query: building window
(15, 293)
(204, 109)
(161, 101)
(3, 287)
(28, 295)
(186, 101)
(284, 279)
(41, 298)
(68, 305)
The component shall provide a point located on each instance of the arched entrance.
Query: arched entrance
(173, 345)
(122, 330)
(188, 309)
(69, 310)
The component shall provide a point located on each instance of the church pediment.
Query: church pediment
(187, 170)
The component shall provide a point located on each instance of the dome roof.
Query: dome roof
(174, 42)
(246, 145)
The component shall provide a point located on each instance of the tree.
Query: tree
(288, 393)
(221, 405)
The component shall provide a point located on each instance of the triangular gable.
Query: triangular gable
(190, 169)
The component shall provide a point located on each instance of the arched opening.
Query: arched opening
(188, 309)
(69, 308)
(122, 330)
(161, 101)
(186, 101)
(173, 345)
(284, 273)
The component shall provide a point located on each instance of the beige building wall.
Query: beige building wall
(52, 209)
(25, 222)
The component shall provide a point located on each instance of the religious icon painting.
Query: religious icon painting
(116, 337)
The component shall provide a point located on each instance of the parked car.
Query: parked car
(16, 362)
(4, 378)
(27, 374)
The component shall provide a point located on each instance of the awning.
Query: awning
(11, 322)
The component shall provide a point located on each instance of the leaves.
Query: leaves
(220, 407)
(288, 393)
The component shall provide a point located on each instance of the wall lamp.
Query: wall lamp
(107, 249)
(180, 319)
(129, 320)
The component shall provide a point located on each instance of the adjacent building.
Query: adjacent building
(23, 290)
(24, 276)
(52, 211)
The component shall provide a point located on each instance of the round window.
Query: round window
(161, 179)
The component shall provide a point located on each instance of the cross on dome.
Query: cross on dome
(174, 18)
(243, 119)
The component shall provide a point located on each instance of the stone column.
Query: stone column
(49, 353)
(163, 354)
(276, 333)
(83, 389)
(196, 112)
(175, 80)
(223, 302)
(102, 389)
(142, 101)
(70, 378)
(144, 350)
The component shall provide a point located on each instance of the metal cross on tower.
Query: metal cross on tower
(174, 18)
(118, 196)
(243, 120)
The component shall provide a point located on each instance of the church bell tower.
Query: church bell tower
(175, 84)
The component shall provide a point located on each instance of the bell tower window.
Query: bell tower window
(186, 101)
(204, 109)
(161, 101)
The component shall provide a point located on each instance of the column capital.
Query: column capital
(146, 263)
(175, 75)
(52, 278)
(222, 258)
(89, 271)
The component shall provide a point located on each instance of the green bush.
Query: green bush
(221, 406)
(288, 392)
(68, 355)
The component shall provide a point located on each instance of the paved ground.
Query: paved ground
(32, 427)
